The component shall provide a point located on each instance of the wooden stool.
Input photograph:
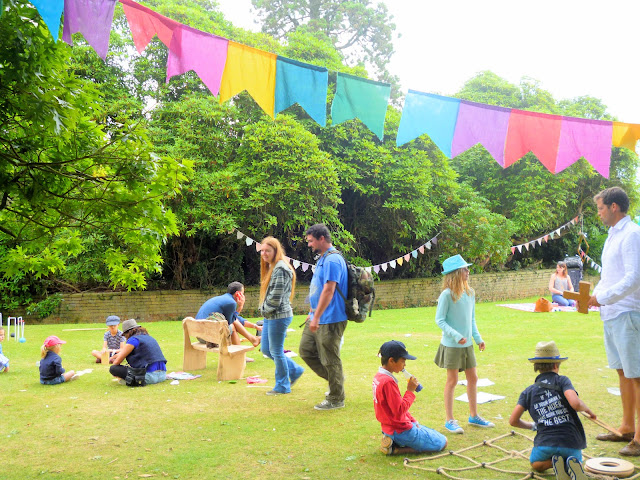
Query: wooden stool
(582, 296)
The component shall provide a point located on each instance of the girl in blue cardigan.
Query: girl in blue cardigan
(455, 316)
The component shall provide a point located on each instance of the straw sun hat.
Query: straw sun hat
(547, 352)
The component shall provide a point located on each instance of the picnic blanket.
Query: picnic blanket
(529, 307)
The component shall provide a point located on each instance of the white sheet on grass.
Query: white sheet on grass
(483, 397)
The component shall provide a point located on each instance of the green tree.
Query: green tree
(63, 176)
(534, 199)
(360, 29)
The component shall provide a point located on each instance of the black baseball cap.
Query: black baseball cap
(395, 349)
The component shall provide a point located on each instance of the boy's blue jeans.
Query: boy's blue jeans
(420, 438)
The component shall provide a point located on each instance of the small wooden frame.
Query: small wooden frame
(581, 296)
(232, 358)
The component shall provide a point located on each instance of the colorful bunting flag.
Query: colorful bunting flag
(535, 132)
(484, 124)
(201, 52)
(590, 139)
(91, 18)
(252, 70)
(625, 135)
(304, 84)
(51, 12)
(361, 98)
(144, 23)
(431, 114)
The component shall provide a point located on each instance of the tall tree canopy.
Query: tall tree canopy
(66, 178)
(359, 29)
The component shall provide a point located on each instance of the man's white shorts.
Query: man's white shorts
(622, 343)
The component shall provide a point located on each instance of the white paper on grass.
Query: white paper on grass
(483, 397)
(614, 390)
(482, 382)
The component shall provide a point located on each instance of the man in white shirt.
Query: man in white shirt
(618, 295)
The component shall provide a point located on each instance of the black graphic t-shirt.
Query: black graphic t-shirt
(558, 425)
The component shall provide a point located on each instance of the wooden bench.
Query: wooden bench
(232, 358)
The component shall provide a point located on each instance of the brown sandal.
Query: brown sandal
(612, 437)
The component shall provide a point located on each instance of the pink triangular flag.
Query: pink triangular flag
(305, 266)
(407, 257)
(376, 268)
(201, 52)
(258, 246)
(421, 249)
(144, 23)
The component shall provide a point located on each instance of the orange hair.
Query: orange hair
(266, 269)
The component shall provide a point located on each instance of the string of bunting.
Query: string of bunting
(399, 261)
(587, 258)
(545, 238)
(375, 268)
(275, 83)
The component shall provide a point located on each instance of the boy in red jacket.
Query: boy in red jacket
(401, 432)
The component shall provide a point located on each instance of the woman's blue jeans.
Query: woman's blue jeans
(561, 301)
(273, 334)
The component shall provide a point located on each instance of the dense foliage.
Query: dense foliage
(108, 172)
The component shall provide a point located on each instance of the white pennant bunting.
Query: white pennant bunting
(392, 263)
(248, 241)
(384, 267)
(239, 234)
(296, 264)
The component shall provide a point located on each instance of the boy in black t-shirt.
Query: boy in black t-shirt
(552, 403)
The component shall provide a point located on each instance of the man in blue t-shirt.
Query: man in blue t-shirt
(320, 342)
(229, 305)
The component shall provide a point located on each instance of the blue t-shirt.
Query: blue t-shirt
(330, 267)
(556, 424)
(224, 304)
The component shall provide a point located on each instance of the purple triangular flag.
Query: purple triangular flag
(484, 124)
(91, 18)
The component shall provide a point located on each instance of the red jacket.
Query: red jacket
(392, 409)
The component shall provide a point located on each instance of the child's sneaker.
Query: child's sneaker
(453, 427)
(478, 421)
(386, 445)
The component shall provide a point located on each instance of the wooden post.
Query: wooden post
(582, 296)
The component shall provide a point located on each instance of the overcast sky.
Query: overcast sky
(573, 48)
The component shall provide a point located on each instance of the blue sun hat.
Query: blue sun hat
(452, 264)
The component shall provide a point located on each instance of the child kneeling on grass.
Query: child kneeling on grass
(401, 432)
(51, 371)
(552, 403)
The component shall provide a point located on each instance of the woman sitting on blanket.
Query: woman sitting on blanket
(558, 283)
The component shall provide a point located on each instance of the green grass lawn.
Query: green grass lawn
(95, 428)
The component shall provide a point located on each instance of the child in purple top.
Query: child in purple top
(113, 340)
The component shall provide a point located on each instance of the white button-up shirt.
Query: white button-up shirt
(619, 288)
